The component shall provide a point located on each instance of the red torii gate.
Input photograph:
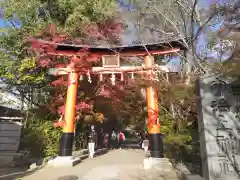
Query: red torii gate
(74, 51)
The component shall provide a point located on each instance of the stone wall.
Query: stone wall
(219, 127)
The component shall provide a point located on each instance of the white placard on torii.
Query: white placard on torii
(123, 69)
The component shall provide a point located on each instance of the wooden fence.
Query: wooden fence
(10, 133)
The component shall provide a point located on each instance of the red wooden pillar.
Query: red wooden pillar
(66, 142)
(155, 138)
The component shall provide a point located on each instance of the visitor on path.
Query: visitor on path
(143, 136)
(105, 140)
(121, 139)
(145, 145)
(92, 142)
(114, 140)
(145, 141)
(100, 138)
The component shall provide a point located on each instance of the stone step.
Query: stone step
(158, 163)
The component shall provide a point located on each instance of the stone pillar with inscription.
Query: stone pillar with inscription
(219, 128)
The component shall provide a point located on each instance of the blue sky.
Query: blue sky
(204, 3)
(2, 23)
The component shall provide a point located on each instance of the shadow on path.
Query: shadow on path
(14, 174)
(26, 173)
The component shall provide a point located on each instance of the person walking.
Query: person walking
(100, 138)
(105, 140)
(121, 139)
(145, 141)
(92, 142)
(113, 140)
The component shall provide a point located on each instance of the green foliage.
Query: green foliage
(26, 19)
(182, 146)
(41, 138)
(179, 139)
(69, 16)
(181, 91)
(166, 123)
(23, 73)
(179, 128)
(178, 146)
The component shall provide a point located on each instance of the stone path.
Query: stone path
(115, 165)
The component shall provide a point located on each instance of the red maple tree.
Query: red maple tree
(110, 31)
